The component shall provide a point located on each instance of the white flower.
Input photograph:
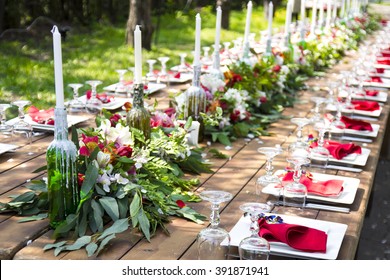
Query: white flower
(121, 180)
(181, 101)
(103, 159)
(211, 82)
(139, 161)
(119, 134)
(104, 179)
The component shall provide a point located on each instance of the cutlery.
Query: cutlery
(313, 206)
(350, 138)
(344, 168)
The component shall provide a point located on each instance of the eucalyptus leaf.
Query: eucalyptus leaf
(144, 224)
(135, 205)
(110, 206)
(104, 242)
(54, 245)
(79, 243)
(33, 218)
(117, 227)
(91, 248)
(91, 176)
(40, 169)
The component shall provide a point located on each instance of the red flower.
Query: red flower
(91, 142)
(170, 112)
(235, 116)
(80, 179)
(114, 119)
(276, 68)
(263, 99)
(180, 203)
(124, 151)
(161, 120)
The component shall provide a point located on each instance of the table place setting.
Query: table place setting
(4, 148)
(148, 89)
(316, 239)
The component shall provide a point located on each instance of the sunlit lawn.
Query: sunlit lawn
(26, 69)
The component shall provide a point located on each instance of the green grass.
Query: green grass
(27, 69)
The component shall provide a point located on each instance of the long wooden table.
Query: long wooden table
(236, 175)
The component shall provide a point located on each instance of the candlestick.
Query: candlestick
(313, 18)
(248, 22)
(218, 28)
(137, 56)
(197, 40)
(59, 84)
(288, 18)
(342, 9)
(321, 13)
(303, 19)
(328, 13)
(270, 17)
(334, 12)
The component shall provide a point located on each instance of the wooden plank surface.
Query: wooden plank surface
(236, 175)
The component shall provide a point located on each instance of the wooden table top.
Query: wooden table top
(236, 175)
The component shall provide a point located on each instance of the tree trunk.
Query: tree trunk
(225, 6)
(2, 14)
(140, 14)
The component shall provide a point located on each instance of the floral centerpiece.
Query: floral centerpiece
(122, 182)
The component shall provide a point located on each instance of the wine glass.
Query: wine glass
(337, 127)
(206, 58)
(332, 92)
(254, 247)
(5, 129)
(317, 117)
(120, 86)
(183, 67)
(163, 72)
(76, 106)
(319, 155)
(94, 105)
(295, 193)
(269, 177)
(226, 51)
(209, 239)
(21, 127)
(299, 144)
(151, 75)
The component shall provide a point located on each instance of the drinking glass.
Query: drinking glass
(332, 92)
(21, 127)
(295, 193)
(337, 127)
(269, 177)
(94, 105)
(299, 145)
(183, 67)
(76, 106)
(320, 155)
(209, 239)
(121, 86)
(226, 51)
(151, 75)
(254, 247)
(5, 129)
(317, 117)
(206, 58)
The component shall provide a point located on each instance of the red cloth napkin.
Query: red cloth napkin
(383, 61)
(103, 97)
(376, 79)
(356, 124)
(365, 105)
(41, 116)
(380, 70)
(340, 150)
(322, 188)
(296, 236)
(371, 92)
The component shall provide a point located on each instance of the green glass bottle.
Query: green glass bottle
(61, 156)
(196, 102)
(138, 117)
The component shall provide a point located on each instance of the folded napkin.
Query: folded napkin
(383, 61)
(356, 124)
(41, 116)
(321, 188)
(376, 79)
(380, 70)
(371, 92)
(340, 150)
(365, 105)
(296, 236)
(103, 97)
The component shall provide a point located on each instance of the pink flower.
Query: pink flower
(170, 112)
(276, 68)
(125, 151)
(161, 119)
(114, 119)
(180, 203)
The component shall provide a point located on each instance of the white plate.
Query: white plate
(114, 104)
(376, 113)
(72, 120)
(184, 77)
(335, 231)
(384, 66)
(380, 97)
(347, 196)
(6, 148)
(385, 84)
(362, 133)
(152, 87)
(359, 160)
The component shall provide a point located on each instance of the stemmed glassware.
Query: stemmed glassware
(209, 239)
(269, 177)
(94, 105)
(319, 155)
(76, 106)
(4, 128)
(254, 247)
(333, 93)
(151, 75)
(299, 146)
(337, 127)
(163, 74)
(120, 86)
(226, 51)
(317, 115)
(183, 67)
(295, 193)
(206, 58)
(21, 127)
